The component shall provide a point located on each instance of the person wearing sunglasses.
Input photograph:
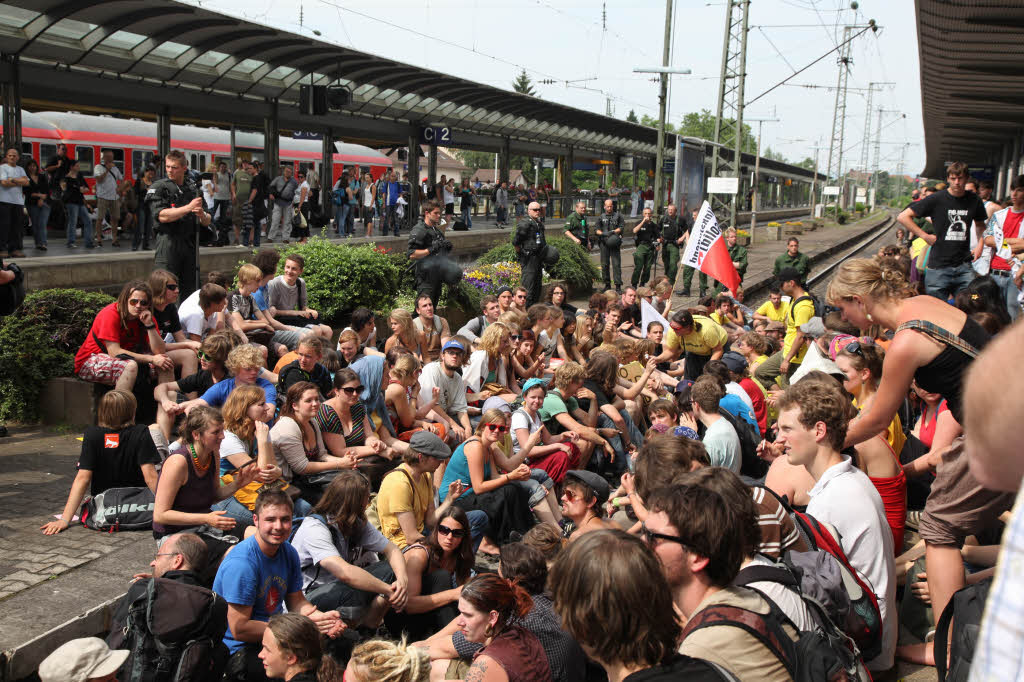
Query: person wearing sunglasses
(438, 567)
(343, 421)
(479, 464)
(584, 494)
(180, 347)
(212, 354)
(124, 341)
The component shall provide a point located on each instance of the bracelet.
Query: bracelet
(507, 479)
(151, 326)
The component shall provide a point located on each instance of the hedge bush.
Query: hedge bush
(39, 342)
(341, 277)
(574, 264)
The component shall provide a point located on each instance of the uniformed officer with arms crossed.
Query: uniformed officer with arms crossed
(674, 232)
(647, 237)
(177, 203)
(609, 235)
(738, 255)
(533, 250)
(576, 225)
(429, 248)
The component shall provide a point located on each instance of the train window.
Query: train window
(202, 162)
(26, 149)
(118, 155)
(47, 152)
(195, 162)
(84, 156)
(141, 159)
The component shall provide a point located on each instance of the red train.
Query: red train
(133, 143)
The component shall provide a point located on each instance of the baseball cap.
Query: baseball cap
(775, 326)
(734, 361)
(80, 660)
(426, 443)
(452, 343)
(592, 481)
(787, 274)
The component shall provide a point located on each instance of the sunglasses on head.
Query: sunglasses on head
(499, 428)
(454, 532)
(353, 390)
(855, 348)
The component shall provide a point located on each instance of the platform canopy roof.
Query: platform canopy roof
(972, 83)
(132, 47)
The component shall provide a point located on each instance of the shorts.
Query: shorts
(449, 209)
(958, 505)
(287, 337)
(537, 486)
(104, 369)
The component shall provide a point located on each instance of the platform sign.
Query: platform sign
(723, 185)
(830, 191)
(626, 163)
(436, 135)
(862, 194)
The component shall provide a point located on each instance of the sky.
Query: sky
(592, 58)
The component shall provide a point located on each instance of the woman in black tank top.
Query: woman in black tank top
(934, 342)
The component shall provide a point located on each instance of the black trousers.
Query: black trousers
(531, 279)
(11, 226)
(178, 255)
(611, 257)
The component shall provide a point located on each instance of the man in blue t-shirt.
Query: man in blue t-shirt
(257, 579)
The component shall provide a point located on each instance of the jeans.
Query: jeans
(501, 213)
(76, 212)
(143, 227)
(537, 485)
(224, 207)
(239, 512)
(478, 526)
(945, 283)
(1010, 292)
(391, 219)
(341, 219)
(280, 223)
(40, 216)
(466, 217)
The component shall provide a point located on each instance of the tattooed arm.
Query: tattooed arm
(486, 669)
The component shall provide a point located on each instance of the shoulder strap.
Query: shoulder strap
(941, 335)
(770, 574)
(762, 627)
(942, 637)
(793, 304)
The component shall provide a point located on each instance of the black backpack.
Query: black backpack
(174, 633)
(966, 607)
(751, 465)
(117, 509)
(12, 294)
(819, 307)
(823, 654)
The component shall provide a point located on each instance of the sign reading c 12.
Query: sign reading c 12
(435, 135)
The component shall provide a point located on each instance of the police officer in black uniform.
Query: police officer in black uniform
(609, 236)
(429, 249)
(533, 250)
(176, 203)
(674, 230)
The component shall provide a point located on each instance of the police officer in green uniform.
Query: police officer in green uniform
(647, 235)
(738, 256)
(429, 249)
(793, 259)
(532, 248)
(576, 225)
(176, 203)
(673, 234)
(609, 237)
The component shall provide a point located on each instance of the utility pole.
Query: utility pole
(659, 180)
(867, 124)
(757, 176)
(835, 149)
(729, 119)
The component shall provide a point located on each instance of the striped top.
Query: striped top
(330, 422)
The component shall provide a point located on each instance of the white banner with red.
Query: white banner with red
(706, 250)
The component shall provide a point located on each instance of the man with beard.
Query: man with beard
(451, 409)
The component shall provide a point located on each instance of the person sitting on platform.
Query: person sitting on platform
(289, 303)
(433, 328)
(203, 312)
(179, 348)
(306, 367)
(451, 410)
(213, 354)
(474, 329)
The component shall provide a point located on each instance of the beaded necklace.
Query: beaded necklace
(200, 468)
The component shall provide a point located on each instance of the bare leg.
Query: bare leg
(126, 382)
(186, 359)
(374, 615)
(165, 422)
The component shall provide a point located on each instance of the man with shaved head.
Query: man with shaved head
(530, 245)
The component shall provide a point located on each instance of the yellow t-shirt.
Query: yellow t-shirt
(802, 314)
(718, 318)
(772, 313)
(397, 496)
(701, 341)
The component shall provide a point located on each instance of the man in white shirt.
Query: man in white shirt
(720, 439)
(451, 410)
(108, 197)
(813, 419)
(202, 312)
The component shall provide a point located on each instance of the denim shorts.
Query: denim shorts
(537, 485)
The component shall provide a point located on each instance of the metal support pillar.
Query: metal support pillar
(835, 148)
(659, 164)
(163, 139)
(1001, 173)
(617, 173)
(11, 93)
(505, 161)
(729, 119)
(233, 164)
(327, 172)
(431, 163)
(272, 140)
(414, 173)
(567, 188)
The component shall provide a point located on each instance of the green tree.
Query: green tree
(807, 163)
(652, 122)
(702, 125)
(631, 118)
(770, 153)
(475, 160)
(522, 84)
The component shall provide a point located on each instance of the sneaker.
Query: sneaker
(90, 246)
(72, 245)
(17, 254)
(135, 248)
(681, 292)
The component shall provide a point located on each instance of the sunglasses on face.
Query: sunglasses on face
(138, 302)
(457, 533)
(498, 428)
(515, 337)
(571, 495)
(203, 356)
(353, 390)
(171, 287)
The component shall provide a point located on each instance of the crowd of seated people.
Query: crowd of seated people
(605, 456)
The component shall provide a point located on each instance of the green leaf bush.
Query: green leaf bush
(39, 342)
(574, 264)
(341, 277)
